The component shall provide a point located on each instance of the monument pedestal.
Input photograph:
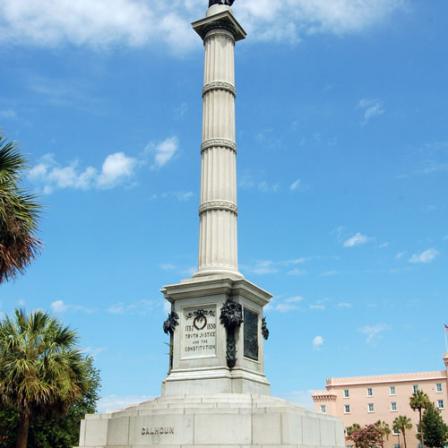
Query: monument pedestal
(218, 420)
(201, 349)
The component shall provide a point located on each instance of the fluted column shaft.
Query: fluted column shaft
(218, 209)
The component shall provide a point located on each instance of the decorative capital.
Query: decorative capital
(223, 20)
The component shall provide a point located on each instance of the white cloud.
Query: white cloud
(373, 332)
(82, 22)
(141, 307)
(49, 175)
(296, 185)
(181, 196)
(297, 272)
(250, 181)
(8, 114)
(371, 108)
(263, 267)
(190, 271)
(59, 307)
(329, 273)
(165, 151)
(319, 306)
(356, 240)
(116, 168)
(318, 342)
(301, 397)
(344, 305)
(285, 305)
(113, 403)
(93, 351)
(101, 23)
(180, 270)
(167, 267)
(425, 257)
(166, 306)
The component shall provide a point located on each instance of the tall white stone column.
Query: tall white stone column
(216, 393)
(218, 250)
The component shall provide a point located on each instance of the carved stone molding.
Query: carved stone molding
(218, 205)
(219, 85)
(218, 143)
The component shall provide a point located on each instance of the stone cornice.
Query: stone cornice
(219, 85)
(322, 396)
(218, 205)
(221, 21)
(218, 143)
(439, 375)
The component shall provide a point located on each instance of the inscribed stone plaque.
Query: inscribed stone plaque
(199, 333)
(250, 334)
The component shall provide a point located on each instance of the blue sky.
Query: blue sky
(343, 177)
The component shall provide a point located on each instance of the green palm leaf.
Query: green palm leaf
(19, 213)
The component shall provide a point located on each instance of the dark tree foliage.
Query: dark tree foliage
(368, 437)
(19, 213)
(50, 430)
(434, 429)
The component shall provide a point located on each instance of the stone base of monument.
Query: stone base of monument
(222, 420)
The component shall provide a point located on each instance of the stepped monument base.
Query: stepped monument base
(221, 420)
(205, 403)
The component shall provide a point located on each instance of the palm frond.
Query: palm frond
(19, 214)
(11, 161)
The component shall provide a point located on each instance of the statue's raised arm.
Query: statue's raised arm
(220, 2)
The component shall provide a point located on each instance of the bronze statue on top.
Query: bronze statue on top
(220, 2)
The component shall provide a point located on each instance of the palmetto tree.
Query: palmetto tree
(402, 424)
(18, 215)
(418, 402)
(384, 429)
(351, 429)
(40, 368)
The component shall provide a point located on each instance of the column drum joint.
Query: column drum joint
(219, 85)
(218, 205)
(218, 143)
